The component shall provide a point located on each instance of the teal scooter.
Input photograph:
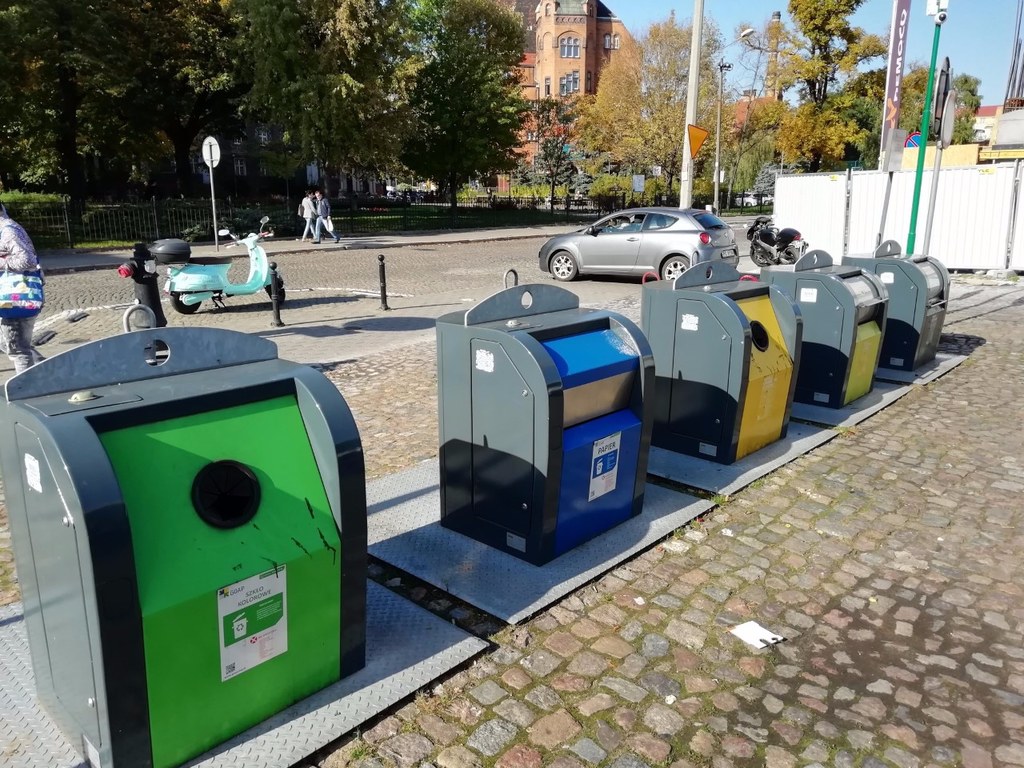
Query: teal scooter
(193, 280)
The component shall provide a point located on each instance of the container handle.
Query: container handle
(514, 275)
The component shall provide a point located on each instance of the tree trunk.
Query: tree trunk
(453, 191)
(183, 164)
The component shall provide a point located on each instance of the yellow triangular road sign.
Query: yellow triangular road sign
(697, 136)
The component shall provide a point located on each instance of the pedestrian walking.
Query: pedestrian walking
(323, 218)
(21, 269)
(307, 212)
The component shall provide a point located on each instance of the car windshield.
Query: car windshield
(709, 221)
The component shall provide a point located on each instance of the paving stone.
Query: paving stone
(628, 761)
(519, 756)
(458, 757)
(661, 685)
(627, 690)
(565, 762)
(776, 757)
(554, 729)
(615, 647)
(437, 729)
(588, 663)
(589, 751)
(608, 736)
(663, 720)
(515, 712)
(543, 697)
(541, 663)
(406, 749)
(488, 693)
(586, 628)
(596, 703)
(491, 737)
(655, 646)
(654, 749)
(385, 729)
(562, 643)
(516, 678)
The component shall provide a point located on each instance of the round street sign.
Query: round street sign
(948, 120)
(913, 140)
(211, 151)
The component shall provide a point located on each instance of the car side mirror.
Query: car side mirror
(593, 231)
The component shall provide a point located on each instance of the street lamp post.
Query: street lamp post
(723, 67)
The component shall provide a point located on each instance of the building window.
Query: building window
(616, 42)
(263, 135)
(590, 81)
(264, 171)
(540, 42)
(570, 47)
(547, 10)
(569, 84)
(239, 142)
(547, 86)
(240, 166)
(607, 42)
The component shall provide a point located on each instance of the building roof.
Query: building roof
(575, 8)
(988, 111)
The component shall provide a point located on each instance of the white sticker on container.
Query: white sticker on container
(32, 474)
(888, 277)
(484, 361)
(604, 466)
(808, 295)
(708, 449)
(253, 622)
(517, 543)
(820, 397)
(690, 323)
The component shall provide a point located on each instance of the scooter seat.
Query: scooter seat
(209, 260)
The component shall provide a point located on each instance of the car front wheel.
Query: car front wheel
(674, 266)
(563, 267)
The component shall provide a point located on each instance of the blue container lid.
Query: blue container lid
(588, 357)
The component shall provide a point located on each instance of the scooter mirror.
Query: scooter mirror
(264, 220)
(224, 232)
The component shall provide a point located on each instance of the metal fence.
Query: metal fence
(95, 225)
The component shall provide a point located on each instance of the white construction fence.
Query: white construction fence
(979, 213)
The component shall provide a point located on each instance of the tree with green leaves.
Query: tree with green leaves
(336, 75)
(552, 123)
(467, 101)
(968, 100)
(190, 78)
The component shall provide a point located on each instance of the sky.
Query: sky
(977, 42)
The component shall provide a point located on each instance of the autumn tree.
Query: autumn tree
(818, 55)
(638, 113)
(467, 103)
(968, 100)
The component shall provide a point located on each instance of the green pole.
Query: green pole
(926, 120)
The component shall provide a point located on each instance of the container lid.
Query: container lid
(587, 357)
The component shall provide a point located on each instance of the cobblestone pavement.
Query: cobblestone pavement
(886, 558)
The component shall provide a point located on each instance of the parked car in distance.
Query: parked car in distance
(666, 241)
(749, 200)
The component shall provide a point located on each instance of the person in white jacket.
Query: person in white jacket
(307, 210)
(17, 254)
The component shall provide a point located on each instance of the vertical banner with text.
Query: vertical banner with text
(894, 75)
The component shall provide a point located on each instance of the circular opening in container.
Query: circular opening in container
(157, 353)
(759, 336)
(225, 494)
(527, 300)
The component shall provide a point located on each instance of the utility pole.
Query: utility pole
(723, 67)
(692, 89)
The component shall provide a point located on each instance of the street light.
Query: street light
(723, 67)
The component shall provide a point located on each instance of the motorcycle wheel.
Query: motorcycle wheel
(280, 293)
(789, 256)
(759, 258)
(181, 307)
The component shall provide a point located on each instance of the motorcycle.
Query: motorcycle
(191, 281)
(770, 246)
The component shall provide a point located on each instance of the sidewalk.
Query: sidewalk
(55, 262)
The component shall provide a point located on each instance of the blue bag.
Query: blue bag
(21, 294)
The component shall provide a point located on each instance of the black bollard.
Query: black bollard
(142, 270)
(383, 284)
(275, 296)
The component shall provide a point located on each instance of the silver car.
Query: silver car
(665, 241)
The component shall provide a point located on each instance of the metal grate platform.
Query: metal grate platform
(729, 478)
(882, 395)
(943, 363)
(407, 648)
(405, 531)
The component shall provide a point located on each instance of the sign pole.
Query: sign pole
(692, 92)
(944, 140)
(211, 156)
(894, 73)
(926, 119)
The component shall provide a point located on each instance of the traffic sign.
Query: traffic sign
(913, 140)
(211, 151)
(697, 136)
(948, 120)
(942, 86)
